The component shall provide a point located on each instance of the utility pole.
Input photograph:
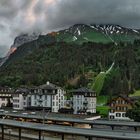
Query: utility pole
(43, 121)
(43, 112)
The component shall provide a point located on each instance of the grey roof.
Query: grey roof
(6, 89)
(22, 90)
(48, 86)
(83, 90)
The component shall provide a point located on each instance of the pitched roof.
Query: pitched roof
(22, 90)
(126, 98)
(83, 90)
(47, 86)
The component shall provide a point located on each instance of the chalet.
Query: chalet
(6, 96)
(84, 100)
(119, 107)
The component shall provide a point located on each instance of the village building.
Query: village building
(49, 96)
(6, 97)
(84, 100)
(21, 98)
(118, 108)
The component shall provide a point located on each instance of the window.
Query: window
(118, 114)
(123, 102)
(118, 108)
(53, 103)
(56, 103)
(112, 110)
(78, 102)
(111, 117)
(35, 96)
(45, 97)
(53, 97)
(119, 101)
(61, 103)
(112, 104)
(46, 103)
(125, 108)
(123, 115)
(61, 97)
(56, 97)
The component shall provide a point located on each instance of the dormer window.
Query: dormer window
(112, 104)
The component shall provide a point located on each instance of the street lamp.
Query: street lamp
(43, 111)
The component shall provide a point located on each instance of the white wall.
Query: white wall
(18, 102)
(78, 103)
(121, 117)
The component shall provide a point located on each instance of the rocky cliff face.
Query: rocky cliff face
(20, 40)
(25, 38)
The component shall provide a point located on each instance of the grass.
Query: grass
(102, 100)
(136, 93)
(103, 110)
(99, 82)
(95, 36)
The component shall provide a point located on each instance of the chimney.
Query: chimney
(47, 82)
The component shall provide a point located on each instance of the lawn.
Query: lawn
(102, 100)
(103, 110)
(136, 93)
(102, 107)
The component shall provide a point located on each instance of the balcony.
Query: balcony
(85, 102)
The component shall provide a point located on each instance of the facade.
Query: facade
(21, 98)
(119, 107)
(84, 100)
(6, 97)
(48, 96)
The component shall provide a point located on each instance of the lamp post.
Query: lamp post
(43, 111)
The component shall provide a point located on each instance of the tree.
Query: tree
(134, 113)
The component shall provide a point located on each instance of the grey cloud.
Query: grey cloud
(3, 50)
(95, 11)
(27, 16)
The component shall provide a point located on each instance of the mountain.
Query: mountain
(77, 34)
(71, 55)
(24, 38)
(98, 33)
(20, 40)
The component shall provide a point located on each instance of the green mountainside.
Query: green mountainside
(97, 33)
(77, 57)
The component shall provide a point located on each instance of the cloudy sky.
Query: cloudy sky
(27, 16)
